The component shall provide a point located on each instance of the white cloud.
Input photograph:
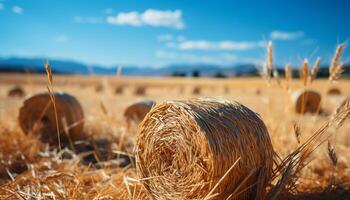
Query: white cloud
(150, 17)
(87, 20)
(130, 18)
(61, 39)
(282, 35)
(220, 45)
(17, 9)
(165, 37)
(2, 6)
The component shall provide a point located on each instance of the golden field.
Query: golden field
(45, 174)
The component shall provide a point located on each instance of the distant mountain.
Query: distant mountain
(36, 65)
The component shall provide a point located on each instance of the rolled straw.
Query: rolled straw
(334, 91)
(16, 91)
(184, 148)
(137, 111)
(37, 116)
(306, 101)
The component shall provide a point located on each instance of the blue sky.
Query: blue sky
(162, 32)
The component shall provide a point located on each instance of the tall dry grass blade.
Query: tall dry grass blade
(335, 60)
(297, 131)
(332, 154)
(267, 68)
(337, 71)
(269, 61)
(315, 69)
(304, 71)
(288, 74)
(52, 97)
(289, 168)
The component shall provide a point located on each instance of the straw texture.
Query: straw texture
(185, 147)
(37, 116)
(306, 101)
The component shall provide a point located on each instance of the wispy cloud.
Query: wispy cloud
(165, 37)
(150, 17)
(61, 39)
(220, 45)
(2, 6)
(283, 35)
(17, 9)
(87, 20)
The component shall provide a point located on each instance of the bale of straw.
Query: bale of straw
(185, 147)
(37, 116)
(137, 110)
(119, 90)
(196, 91)
(16, 91)
(306, 101)
(99, 88)
(334, 91)
(140, 91)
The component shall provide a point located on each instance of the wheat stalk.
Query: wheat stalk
(304, 71)
(335, 68)
(52, 97)
(315, 69)
(288, 74)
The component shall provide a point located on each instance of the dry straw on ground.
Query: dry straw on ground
(306, 101)
(37, 116)
(334, 91)
(138, 110)
(204, 148)
(16, 91)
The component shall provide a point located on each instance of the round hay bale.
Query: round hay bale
(185, 147)
(334, 91)
(119, 90)
(306, 101)
(37, 116)
(140, 90)
(196, 91)
(258, 91)
(16, 91)
(99, 88)
(138, 110)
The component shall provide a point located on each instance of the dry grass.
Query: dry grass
(103, 166)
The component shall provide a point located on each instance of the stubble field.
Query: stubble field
(30, 170)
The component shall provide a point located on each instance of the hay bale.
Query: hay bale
(119, 90)
(306, 101)
(334, 91)
(184, 147)
(140, 90)
(196, 91)
(16, 91)
(138, 110)
(37, 116)
(99, 88)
